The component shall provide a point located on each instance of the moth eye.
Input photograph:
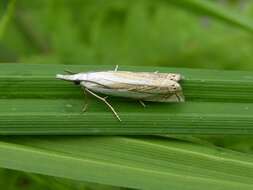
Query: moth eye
(77, 82)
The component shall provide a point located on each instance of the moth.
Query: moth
(142, 86)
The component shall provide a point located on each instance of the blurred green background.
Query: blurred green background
(117, 32)
(124, 32)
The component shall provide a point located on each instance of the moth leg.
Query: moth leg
(142, 103)
(105, 101)
(69, 72)
(85, 107)
(86, 103)
(180, 97)
(116, 68)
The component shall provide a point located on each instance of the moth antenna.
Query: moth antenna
(69, 72)
(105, 101)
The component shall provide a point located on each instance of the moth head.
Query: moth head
(76, 78)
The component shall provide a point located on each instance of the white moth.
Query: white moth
(142, 86)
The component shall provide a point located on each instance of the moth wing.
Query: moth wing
(157, 94)
(175, 97)
(171, 76)
(151, 75)
(150, 84)
(146, 90)
(134, 85)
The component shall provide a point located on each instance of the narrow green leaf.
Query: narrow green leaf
(212, 9)
(38, 81)
(65, 117)
(137, 163)
(34, 102)
(6, 18)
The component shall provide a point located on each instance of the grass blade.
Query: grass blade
(65, 117)
(6, 18)
(212, 9)
(34, 102)
(121, 161)
(38, 81)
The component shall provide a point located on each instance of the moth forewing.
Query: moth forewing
(128, 87)
(155, 75)
(145, 86)
(122, 80)
(175, 97)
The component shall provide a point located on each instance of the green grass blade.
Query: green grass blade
(34, 102)
(212, 9)
(242, 143)
(129, 162)
(38, 81)
(6, 18)
(64, 116)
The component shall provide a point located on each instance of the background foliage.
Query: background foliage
(125, 32)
